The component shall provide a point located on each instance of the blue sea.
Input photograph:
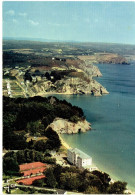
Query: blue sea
(111, 142)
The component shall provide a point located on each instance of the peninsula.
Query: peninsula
(38, 68)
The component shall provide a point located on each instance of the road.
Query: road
(42, 188)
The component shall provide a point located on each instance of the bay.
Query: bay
(111, 143)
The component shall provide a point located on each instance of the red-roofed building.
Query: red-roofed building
(33, 170)
(33, 165)
(29, 181)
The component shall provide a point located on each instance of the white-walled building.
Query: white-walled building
(79, 158)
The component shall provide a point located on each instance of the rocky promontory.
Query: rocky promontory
(110, 58)
(74, 80)
(61, 125)
(61, 76)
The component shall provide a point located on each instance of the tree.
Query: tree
(50, 179)
(39, 183)
(20, 157)
(50, 160)
(69, 181)
(104, 180)
(54, 141)
(74, 119)
(10, 166)
(35, 127)
(57, 172)
(40, 145)
(117, 187)
(92, 190)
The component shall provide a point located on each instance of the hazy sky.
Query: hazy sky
(77, 21)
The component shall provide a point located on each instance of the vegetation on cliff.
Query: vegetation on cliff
(32, 116)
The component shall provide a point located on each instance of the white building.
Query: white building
(79, 158)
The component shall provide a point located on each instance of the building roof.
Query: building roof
(29, 181)
(34, 171)
(33, 165)
(80, 153)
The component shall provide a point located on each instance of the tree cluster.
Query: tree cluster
(12, 160)
(33, 115)
(74, 179)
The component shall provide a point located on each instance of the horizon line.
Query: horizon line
(53, 40)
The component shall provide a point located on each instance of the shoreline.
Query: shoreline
(66, 145)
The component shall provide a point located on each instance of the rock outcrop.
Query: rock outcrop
(64, 126)
(110, 58)
(79, 82)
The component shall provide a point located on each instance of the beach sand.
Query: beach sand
(128, 191)
(64, 143)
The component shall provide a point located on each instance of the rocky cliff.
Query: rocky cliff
(111, 58)
(75, 77)
(108, 58)
(64, 126)
(79, 82)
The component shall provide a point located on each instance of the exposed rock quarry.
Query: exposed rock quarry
(64, 126)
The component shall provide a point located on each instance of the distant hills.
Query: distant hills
(37, 39)
(55, 40)
(78, 48)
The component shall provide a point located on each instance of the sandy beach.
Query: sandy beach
(65, 144)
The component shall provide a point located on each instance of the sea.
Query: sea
(111, 142)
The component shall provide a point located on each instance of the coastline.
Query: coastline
(66, 145)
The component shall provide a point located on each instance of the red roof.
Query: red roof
(29, 181)
(33, 165)
(34, 171)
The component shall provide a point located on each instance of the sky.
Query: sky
(87, 21)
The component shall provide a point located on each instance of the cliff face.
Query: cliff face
(79, 82)
(75, 78)
(111, 59)
(108, 58)
(64, 126)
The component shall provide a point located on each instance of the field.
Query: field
(12, 88)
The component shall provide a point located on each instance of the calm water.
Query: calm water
(111, 143)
